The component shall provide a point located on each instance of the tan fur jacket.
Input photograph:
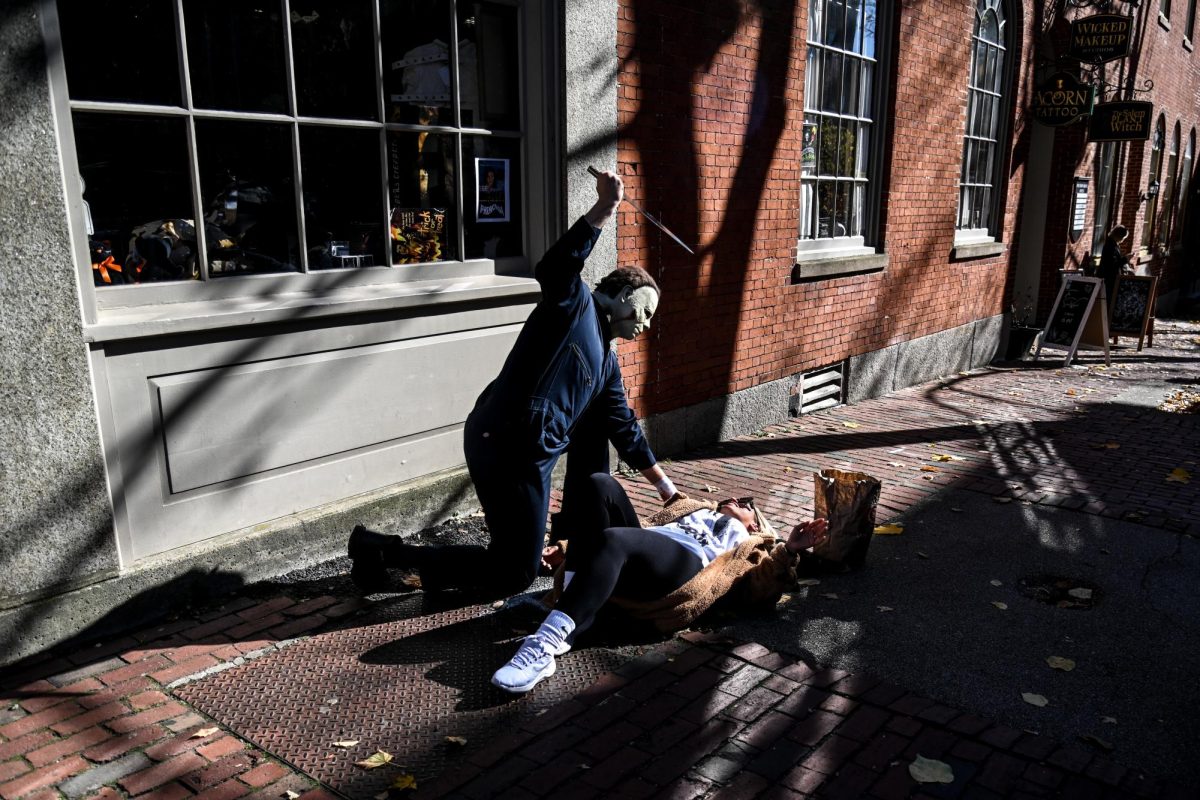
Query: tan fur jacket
(753, 575)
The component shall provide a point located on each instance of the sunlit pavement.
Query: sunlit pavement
(998, 477)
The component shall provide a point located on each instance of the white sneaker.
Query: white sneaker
(534, 660)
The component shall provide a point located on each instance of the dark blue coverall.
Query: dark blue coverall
(559, 391)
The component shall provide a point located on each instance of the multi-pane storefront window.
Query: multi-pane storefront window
(978, 198)
(217, 138)
(841, 82)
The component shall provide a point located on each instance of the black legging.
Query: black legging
(611, 555)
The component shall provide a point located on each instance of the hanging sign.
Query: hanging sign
(1100, 38)
(1124, 121)
(1061, 99)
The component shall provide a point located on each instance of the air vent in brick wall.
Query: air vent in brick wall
(821, 388)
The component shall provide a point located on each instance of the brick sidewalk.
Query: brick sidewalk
(703, 717)
(100, 721)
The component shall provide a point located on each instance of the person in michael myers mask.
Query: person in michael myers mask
(559, 392)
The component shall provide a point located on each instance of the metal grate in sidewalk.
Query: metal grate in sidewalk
(400, 679)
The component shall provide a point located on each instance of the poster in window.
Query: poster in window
(491, 190)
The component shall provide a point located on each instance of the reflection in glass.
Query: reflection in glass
(235, 55)
(422, 186)
(246, 182)
(487, 66)
(343, 209)
(139, 197)
(333, 50)
(416, 61)
(492, 193)
(121, 51)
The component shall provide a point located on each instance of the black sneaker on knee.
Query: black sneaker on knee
(369, 569)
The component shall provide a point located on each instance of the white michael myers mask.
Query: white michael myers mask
(631, 310)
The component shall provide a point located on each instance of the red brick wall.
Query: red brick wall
(710, 111)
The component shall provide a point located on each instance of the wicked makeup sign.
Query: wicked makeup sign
(1100, 38)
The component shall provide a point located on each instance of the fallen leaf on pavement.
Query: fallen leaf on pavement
(785, 598)
(203, 732)
(922, 554)
(710, 489)
(1179, 475)
(458, 740)
(404, 781)
(895, 464)
(498, 604)
(995, 582)
(478, 514)
(928, 770)
(945, 457)
(830, 596)
(929, 468)
(1002, 499)
(1071, 392)
(851, 424)
(890, 529)
(1058, 662)
(884, 609)
(290, 795)
(999, 605)
(1080, 593)
(956, 509)
(788, 469)
(1109, 720)
(378, 759)
(346, 743)
(1097, 742)
(1034, 699)
(807, 582)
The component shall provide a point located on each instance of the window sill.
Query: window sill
(1163, 22)
(175, 318)
(968, 250)
(1187, 45)
(836, 266)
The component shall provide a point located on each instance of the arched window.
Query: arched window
(840, 161)
(1154, 185)
(989, 95)
(1185, 178)
(1170, 185)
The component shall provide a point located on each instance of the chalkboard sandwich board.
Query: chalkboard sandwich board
(1078, 318)
(1133, 306)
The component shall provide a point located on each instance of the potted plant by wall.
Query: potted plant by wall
(1022, 333)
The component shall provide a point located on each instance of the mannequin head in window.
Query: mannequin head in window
(628, 296)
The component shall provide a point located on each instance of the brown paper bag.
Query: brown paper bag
(847, 500)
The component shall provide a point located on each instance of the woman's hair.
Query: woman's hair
(1118, 232)
(633, 277)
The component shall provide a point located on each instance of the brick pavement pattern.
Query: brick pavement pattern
(706, 717)
(696, 717)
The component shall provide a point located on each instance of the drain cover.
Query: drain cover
(1060, 591)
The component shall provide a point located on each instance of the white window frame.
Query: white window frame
(137, 304)
(868, 174)
(995, 138)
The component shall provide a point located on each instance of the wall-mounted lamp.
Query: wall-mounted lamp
(1151, 191)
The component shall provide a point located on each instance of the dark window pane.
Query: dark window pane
(246, 178)
(121, 51)
(422, 181)
(333, 46)
(235, 55)
(416, 61)
(487, 66)
(493, 195)
(831, 90)
(137, 190)
(343, 203)
(835, 30)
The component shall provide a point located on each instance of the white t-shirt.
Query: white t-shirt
(706, 533)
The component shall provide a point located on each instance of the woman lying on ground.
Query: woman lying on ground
(688, 556)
